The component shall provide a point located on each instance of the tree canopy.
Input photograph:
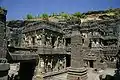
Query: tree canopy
(79, 15)
(44, 15)
(29, 16)
(64, 15)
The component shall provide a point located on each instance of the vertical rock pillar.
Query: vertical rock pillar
(40, 70)
(4, 66)
(77, 70)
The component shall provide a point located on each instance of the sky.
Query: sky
(18, 9)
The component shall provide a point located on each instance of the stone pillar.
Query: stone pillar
(55, 63)
(39, 71)
(77, 70)
(4, 66)
(64, 62)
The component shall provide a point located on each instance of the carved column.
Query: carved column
(77, 70)
(39, 71)
(56, 63)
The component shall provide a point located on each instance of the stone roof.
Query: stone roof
(48, 50)
(20, 54)
(42, 25)
(15, 23)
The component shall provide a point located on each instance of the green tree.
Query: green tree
(45, 16)
(64, 15)
(39, 16)
(29, 16)
(79, 15)
(54, 14)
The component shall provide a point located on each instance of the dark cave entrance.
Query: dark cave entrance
(53, 41)
(91, 65)
(27, 68)
(68, 60)
(68, 41)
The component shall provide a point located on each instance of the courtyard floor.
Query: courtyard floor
(92, 75)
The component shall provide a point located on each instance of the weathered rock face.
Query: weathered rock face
(4, 66)
(96, 31)
(14, 32)
(2, 33)
(104, 41)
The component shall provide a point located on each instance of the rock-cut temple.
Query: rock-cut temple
(59, 49)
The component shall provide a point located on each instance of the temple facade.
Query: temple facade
(49, 41)
(65, 49)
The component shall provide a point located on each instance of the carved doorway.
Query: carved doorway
(27, 68)
(91, 64)
(53, 41)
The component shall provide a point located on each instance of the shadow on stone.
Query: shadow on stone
(107, 77)
(117, 75)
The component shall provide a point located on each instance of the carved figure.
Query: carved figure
(43, 39)
(57, 42)
(50, 39)
(93, 44)
(97, 44)
(39, 42)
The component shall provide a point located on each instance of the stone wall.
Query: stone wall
(14, 32)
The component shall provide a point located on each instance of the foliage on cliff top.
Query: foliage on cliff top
(63, 15)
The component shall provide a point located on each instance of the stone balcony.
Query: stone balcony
(49, 50)
(18, 53)
(43, 49)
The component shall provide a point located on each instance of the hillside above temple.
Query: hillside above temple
(90, 15)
